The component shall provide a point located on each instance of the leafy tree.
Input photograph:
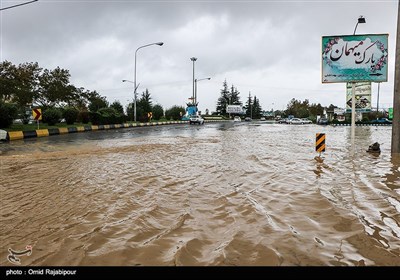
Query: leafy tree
(70, 114)
(52, 116)
(8, 82)
(96, 101)
(174, 112)
(158, 112)
(8, 112)
(54, 88)
(117, 107)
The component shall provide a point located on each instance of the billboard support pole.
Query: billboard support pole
(353, 116)
(396, 95)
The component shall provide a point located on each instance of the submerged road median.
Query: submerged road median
(22, 134)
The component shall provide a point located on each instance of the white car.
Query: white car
(296, 121)
(196, 119)
(237, 119)
(306, 121)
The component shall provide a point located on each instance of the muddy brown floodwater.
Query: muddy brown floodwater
(218, 194)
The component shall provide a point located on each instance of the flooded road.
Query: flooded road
(218, 194)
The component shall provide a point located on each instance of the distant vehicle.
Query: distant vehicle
(18, 121)
(247, 119)
(262, 119)
(382, 121)
(196, 119)
(323, 121)
(237, 119)
(306, 121)
(283, 121)
(296, 121)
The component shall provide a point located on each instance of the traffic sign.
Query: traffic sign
(320, 142)
(37, 114)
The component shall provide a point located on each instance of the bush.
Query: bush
(52, 116)
(83, 117)
(158, 112)
(94, 118)
(174, 113)
(70, 115)
(8, 112)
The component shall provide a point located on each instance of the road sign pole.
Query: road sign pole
(353, 116)
(396, 95)
(37, 124)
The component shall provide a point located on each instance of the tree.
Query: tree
(158, 112)
(144, 106)
(248, 106)
(234, 96)
(117, 107)
(54, 88)
(256, 108)
(223, 100)
(175, 112)
(96, 101)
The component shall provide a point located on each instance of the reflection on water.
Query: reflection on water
(218, 194)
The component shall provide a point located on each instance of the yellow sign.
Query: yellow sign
(320, 142)
(37, 114)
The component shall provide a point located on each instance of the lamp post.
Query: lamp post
(134, 80)
(13, 6)
(193, 59)
(195, 87)
(361, 19)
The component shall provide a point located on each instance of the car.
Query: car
(262, 119)
(247, 119)
(283, 120)
(237, 119)
(196, 119)
(296, 121)
(323, 121)
(382, 121)
(306, 121)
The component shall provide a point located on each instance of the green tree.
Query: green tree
(144, 106)
(247, 107)
(256, 108)
(234, 98)
(223, 100)
(8, 112)
(96, 101)
(54, 88)
(175, 112)
(158, 112)
(117, 107)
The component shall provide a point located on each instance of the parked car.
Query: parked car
(296, 121)
(323, 121)
(306, 121)
(196, 119)
(382, 121)
(262, 119)
(237, 119)
(247, 119)
(283, 121)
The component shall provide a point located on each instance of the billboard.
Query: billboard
(355, 58)
(363, 97)
(234, 109)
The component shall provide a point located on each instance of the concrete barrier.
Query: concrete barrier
(18, 135)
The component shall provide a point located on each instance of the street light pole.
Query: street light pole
(193, 59)
(361, 19)
(195, 87)
(377, 103)
(134, 80)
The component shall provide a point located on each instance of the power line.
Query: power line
(1, 9)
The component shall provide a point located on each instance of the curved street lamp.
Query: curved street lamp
(195, 87)
(361, 19)
(193, 59)
(134, 80)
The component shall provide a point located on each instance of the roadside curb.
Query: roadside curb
(363, 124)
(19, 135)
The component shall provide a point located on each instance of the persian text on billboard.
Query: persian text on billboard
(355, 58)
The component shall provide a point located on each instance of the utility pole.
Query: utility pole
(396, 95)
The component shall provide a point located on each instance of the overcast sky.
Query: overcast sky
(269, 48)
